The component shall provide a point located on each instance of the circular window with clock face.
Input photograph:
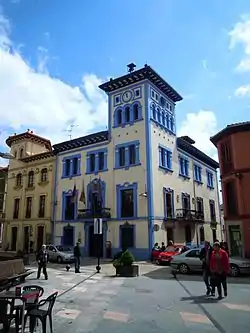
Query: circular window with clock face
(127, 96)
(162, 101)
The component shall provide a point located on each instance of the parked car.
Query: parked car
(164, 257)
(190, 262)
(60, 254)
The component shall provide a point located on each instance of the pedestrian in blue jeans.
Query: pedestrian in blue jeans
(77, 256)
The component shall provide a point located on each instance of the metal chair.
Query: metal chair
(7, 316)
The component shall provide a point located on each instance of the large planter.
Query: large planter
(127, 271)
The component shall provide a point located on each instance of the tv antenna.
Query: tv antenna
(70, 130)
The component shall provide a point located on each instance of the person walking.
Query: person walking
(205, 256)
(42, 260)
(77, 255)
(219, 267)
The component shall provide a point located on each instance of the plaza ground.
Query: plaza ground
(152, 302)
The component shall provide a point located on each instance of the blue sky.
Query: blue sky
(64, 49)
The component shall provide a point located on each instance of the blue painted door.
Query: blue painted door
(68, 236)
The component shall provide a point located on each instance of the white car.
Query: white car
(60, 253)
(189, 261)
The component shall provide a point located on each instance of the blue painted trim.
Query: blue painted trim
(70, 159)
(79, 150)
(119, 189)
(103, 192)
(97, 153)
(109, 114)
(187, 155)
(185, 195)
(159, 92)
(64, 195)
(165, 158)
(120, 114)
(133, 226)
(54, 200)
(197, 173)
(168, 190)
(74, 236)
(183, 166)
(162, 118)
(149, 170)
(131, 87)
(117, 100)
(139, 89)
(127, 164)
(210, 179)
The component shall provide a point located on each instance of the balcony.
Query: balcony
(90, 213)
(189, 215)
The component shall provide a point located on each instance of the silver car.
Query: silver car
(190, 262)
(60, 253)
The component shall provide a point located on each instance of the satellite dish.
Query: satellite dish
(7, 156)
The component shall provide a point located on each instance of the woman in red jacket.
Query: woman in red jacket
(219, 267)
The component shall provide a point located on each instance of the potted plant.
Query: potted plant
(124, 266)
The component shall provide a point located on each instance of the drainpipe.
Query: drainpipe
(54, 201)
(218, 201)
(195, 205)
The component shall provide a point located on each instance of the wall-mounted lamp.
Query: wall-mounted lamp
(144, 195)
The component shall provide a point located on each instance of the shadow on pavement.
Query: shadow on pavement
(200, 299)
(164, 273)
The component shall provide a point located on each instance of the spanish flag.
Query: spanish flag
(73, 196)
(82, 196)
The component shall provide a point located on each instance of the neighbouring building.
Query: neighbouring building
(146, 184)
(29, 196)
(3, 191)
(232, 144)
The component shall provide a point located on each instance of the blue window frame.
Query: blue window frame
(127, 114)
(162, 118)
(127, 236)
(127, 155)
(183, 167)
(165, 158)
(168, 201)
(210, 179)
(97, 161)
(71, 166)
(197, 173)
(69, 206)
(126, 201)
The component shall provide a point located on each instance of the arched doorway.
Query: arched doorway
(68, 235)
(95, 243)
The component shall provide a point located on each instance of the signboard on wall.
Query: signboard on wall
(97, 226)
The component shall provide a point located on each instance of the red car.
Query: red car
(164, 257)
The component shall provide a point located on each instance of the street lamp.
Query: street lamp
(98, 234)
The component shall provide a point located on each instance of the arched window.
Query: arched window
(15, 153)
(127, 114)
(167, 121)
(158, 115)
(163, 118)
(21, 153)
(136, 111)
(119, 116)
(202, 234)
(188, 234)
(44, 175)
(31, 179)
(19, 179)
(153, 111)
(171, 121)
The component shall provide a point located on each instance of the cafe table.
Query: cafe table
(24, 297)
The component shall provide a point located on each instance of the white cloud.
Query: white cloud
(200, 127)
(240, 34)
(243, 91)
(31, 98)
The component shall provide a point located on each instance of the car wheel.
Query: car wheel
(183, 269)
(157, 262)
(234, 270)
(59, 260)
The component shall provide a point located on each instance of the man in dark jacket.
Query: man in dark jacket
(77, 255)
(42, 259)
(205, 256)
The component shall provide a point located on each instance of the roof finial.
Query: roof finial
(131, 67)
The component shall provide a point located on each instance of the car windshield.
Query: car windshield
(64, 248)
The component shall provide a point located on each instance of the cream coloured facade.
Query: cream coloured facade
(146, 184)
(28, 202)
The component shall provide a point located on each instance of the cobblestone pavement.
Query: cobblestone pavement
(152, 302)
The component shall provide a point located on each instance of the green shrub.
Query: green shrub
(127, 258)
